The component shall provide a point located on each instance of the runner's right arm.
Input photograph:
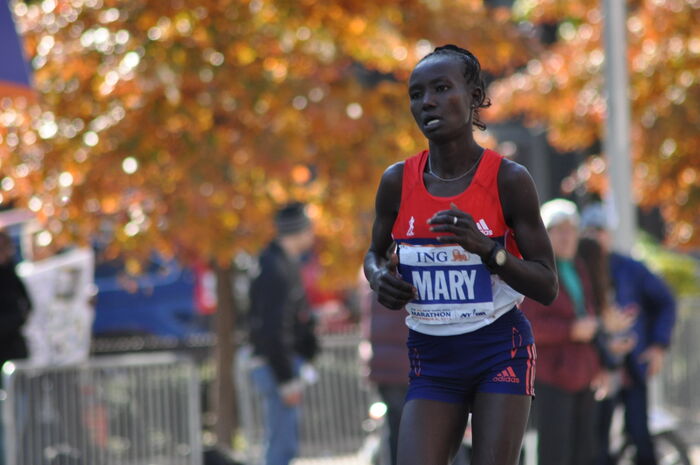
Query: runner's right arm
(380, 270)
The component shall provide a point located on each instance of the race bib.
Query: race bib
(453, 285)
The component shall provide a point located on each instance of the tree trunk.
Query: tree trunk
(224, 389)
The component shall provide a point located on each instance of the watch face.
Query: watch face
(500, 257)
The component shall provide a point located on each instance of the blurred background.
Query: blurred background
(144, 147)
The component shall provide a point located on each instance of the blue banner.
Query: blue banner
(14, 71)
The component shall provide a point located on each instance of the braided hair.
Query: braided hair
(472, 75)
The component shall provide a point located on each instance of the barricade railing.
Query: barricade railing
(333, 409)
(138, 409)
(678, 392)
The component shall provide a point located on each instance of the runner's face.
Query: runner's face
(439, 97)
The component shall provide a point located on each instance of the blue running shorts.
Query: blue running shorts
(498, 358)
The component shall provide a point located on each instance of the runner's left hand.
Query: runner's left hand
(464, 232)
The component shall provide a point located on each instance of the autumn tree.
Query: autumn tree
(563, 87)
(180, 126)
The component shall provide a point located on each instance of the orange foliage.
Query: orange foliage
(182, 125)
(563, 87)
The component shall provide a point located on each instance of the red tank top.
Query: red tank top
(457, 293)
(480, 199)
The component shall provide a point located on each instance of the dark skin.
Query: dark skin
(431, 430)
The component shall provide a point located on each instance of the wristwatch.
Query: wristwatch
(497, 256)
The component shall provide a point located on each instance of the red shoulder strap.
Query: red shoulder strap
(487, 173)
(412, 173)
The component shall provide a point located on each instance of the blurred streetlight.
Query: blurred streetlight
(617, 134)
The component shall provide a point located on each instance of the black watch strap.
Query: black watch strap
(491, 260)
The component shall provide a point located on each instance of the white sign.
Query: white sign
(60, 325)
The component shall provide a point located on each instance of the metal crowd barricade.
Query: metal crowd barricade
(677, 387)
(138, 409)
(334, 409)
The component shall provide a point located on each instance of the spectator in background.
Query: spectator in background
(615, 339)
(567, 360)
(634, 285)
(281, 332)
(387, 365)
(14, 305)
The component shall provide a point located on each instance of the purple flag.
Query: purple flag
(14, 72)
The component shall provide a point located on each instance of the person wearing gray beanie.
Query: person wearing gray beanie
(282, 331)
(292, 219)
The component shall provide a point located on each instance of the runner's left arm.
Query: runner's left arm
(535, 274)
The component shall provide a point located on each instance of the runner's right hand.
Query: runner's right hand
(392, 291)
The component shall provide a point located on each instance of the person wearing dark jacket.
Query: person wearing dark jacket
(634, 285)
(387, 364)
(567, 358)
(385, 355)
(15, 305)
(281, 331)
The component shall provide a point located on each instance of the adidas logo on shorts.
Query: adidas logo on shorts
(507, 376)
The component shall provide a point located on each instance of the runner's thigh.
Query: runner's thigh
(498, 427)
(431, 432)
